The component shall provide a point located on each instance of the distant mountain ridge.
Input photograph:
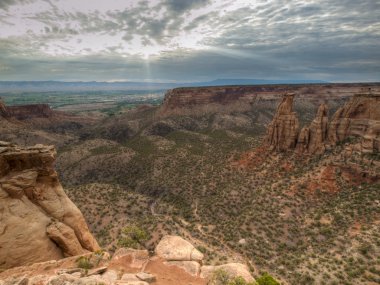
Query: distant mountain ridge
(41, 86)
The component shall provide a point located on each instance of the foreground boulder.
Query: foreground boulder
(175, 248)
(38, 221)
(232, 269)
(126, 267)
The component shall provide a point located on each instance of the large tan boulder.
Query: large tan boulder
(232, 269)
(31, 198)
(65, 238)
(175, 248)
(136, 258)
(191, 267)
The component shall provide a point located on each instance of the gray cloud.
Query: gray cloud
(180, 6)
(317, 39)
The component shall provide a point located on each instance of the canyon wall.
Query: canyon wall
(38, 222)
(200, 100)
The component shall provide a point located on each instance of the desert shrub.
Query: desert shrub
(84, 262)
(266, 279)
(221, 277)
(132, 237)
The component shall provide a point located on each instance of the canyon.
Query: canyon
(250, 178)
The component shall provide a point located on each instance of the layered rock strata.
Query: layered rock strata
(38, 222)
(215, 99)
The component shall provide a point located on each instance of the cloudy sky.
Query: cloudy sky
(189, 40)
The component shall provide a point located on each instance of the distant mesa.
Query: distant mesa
(214, 99)
(360, 117)
(25, 112)
(3, 109)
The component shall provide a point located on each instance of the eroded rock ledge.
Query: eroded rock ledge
(38, 222)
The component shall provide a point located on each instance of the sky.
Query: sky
(189, 40)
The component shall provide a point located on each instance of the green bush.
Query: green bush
(132, 237)
(221, 277)
(266, 279)
(84, 262)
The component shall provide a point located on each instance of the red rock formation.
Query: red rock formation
(282, 132)
(360, 117)
(312, 139)
(38, 222)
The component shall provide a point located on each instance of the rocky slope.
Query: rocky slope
(38, 222)
(360, 117)
(200, 100)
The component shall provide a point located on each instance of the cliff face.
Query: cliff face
(38, 222)
(283, 130)
(360, 117)
(195, 100)
(30, 111)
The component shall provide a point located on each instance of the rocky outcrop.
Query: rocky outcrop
(312, 139)
(282, 132)
(128, 267)
(360, 117)
(38, 222)
(180, 253)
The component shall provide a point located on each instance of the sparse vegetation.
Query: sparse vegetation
(310, 220)
(132, 237)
